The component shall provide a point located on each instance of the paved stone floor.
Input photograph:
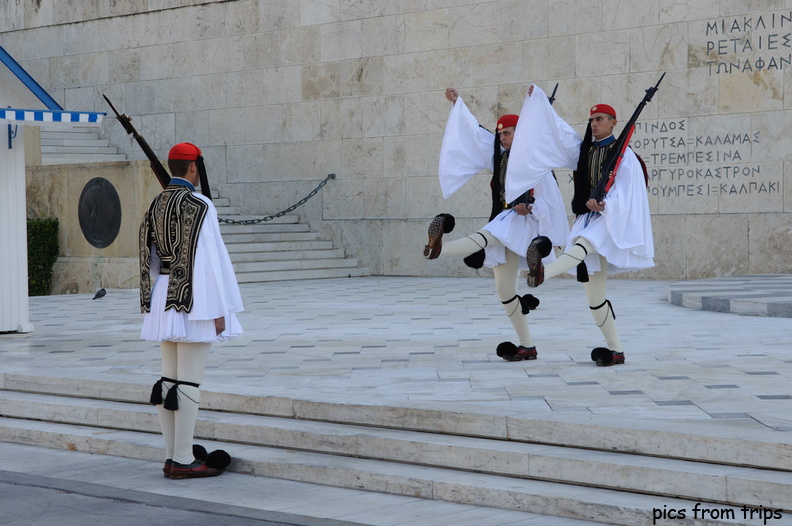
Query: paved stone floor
(431, 341)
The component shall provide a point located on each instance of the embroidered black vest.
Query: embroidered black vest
(588, 173)
(172, 224)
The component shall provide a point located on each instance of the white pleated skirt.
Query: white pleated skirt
(593, 227)
(515, 232)
(160, 325)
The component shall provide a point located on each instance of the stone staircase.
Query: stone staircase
(618, 474)
(281, 249)
(76, 145)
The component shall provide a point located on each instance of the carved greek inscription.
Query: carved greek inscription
(749, 43)
(683, 163)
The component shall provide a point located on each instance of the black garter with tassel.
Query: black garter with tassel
(156, 391)
(171, 401)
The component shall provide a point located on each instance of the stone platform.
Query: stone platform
(425, 347)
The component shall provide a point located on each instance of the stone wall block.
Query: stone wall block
(405, 157)
(382, 35)
(321, 81)
(659, 48)
(362, 158)
(383, 116)
(716, 248)
(362, 77)
(340, 41)
(473, 25)
(591, 61)
(549, 60)
(769, 239)
(405, 73)
(426, 30)
(669, 232)
(570, 17)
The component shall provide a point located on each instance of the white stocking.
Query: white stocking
(569, 259)
(601, 309)
(184, 362)
(468, 245)
(166, 419)
(506, 287)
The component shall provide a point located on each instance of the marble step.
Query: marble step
(236, 238)
(295, 264)
(708, 441)
(426, 482)
(296, 255)
(296, 274)
(278, 246)
(48, 141)
(263, 228)
(697, 481)
(239, 495)
(75, 158)
(229, 212)
(82, 149)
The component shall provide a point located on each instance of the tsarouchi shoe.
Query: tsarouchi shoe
(166, 469)
(441, 224)
(527, 353)
(511, 353)
(539, 248)
(197, 469)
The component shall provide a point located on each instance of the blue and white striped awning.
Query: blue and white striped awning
(46, 117)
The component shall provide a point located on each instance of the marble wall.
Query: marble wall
(279, 93)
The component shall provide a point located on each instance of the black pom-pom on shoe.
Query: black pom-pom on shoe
(448, 222)
(199, 452)
(543, 245)
(508, 351)
(218, 459)
(605, 357)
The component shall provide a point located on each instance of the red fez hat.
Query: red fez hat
(603, 108)
(507, 121)
(184, 151)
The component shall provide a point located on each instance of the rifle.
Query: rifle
(551, 98)
(156, 165)
(611, 166)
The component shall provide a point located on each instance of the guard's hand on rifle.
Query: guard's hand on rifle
(595, 206)
(522, 209)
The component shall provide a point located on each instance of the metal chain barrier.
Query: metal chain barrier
(279, 214)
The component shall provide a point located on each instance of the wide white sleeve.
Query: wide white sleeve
(627, 209)
(542, 141)
(215, 289)
(467, 149)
